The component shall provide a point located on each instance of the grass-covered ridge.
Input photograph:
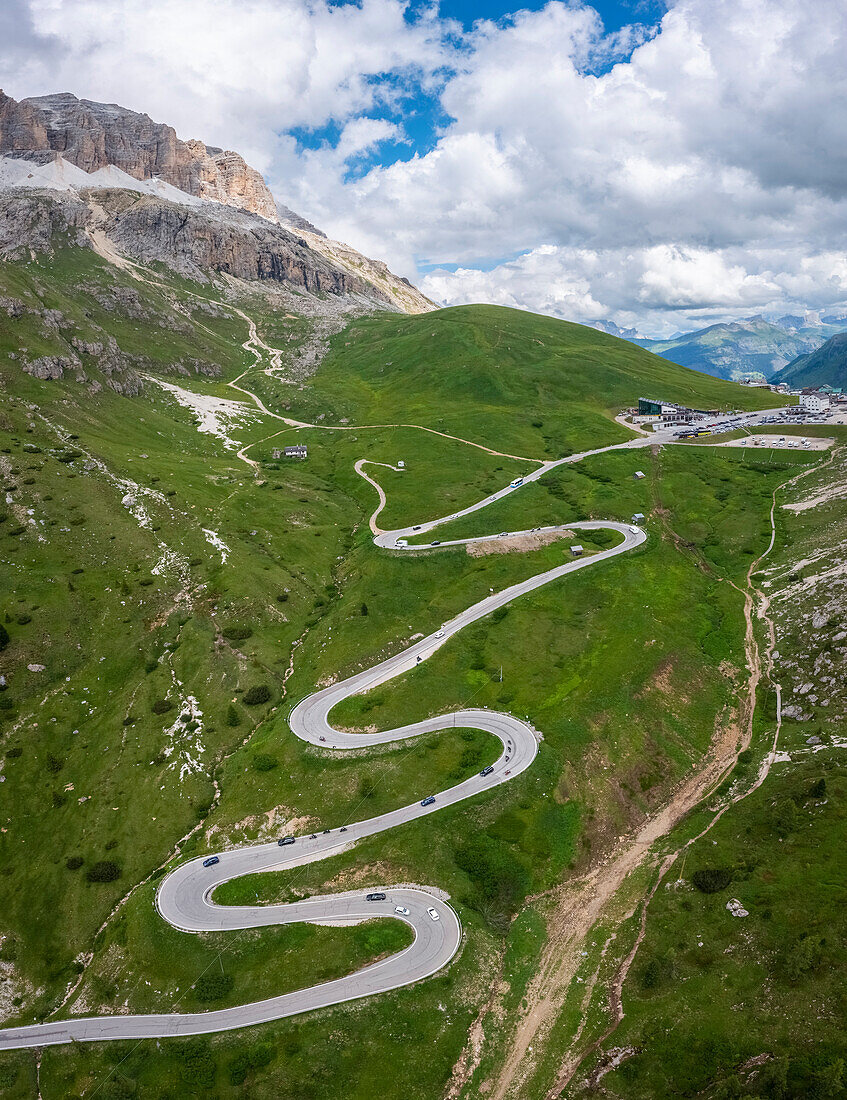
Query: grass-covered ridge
(520, 382)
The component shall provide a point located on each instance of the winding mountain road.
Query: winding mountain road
(184, 896)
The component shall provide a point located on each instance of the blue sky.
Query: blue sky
(418, 111)
(614, 13)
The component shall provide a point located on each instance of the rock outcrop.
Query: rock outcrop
(95, 135)
(99, 175)
(193, 241)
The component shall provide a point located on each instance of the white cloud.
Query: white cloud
(703, 176)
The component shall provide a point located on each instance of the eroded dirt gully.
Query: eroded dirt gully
(577, 906)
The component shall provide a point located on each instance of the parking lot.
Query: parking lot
(793, 442)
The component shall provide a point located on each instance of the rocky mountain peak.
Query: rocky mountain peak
(94, 135)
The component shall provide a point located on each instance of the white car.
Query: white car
(433, 913)
(402, 910)
(635, 530)
(439, 634)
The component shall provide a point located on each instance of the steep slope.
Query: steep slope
(61, 143)
(740, 347)
(398, 289)
(826, 366)
(197, 241)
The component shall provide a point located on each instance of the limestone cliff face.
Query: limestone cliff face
(193, 241)
(94, 135)
(239, 230)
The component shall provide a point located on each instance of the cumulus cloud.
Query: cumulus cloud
(693, 170)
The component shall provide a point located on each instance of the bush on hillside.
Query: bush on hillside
(233, 718)
(712, 879)
(237, 633)
(264, 762)
(4, 637)
(212, 987)
(259, 693)
(73, 863)
(162, 706)
(104, 870)
(248, 1061)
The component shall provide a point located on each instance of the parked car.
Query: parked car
(375, 897)
(211, 861)
(283, 840)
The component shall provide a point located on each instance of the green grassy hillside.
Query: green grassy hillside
(126, 735)
(517, 381)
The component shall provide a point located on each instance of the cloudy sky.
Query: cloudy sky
(663, 165)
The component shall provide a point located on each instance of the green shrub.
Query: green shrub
(712, 879)
(212, 987)
(264, 762)
(73, 863)
(233, 718)
(104, 870)
(259, 693)
(9, 949)
(162, 706)
(248, 1061)
(237, 633)
(4, 637)
(54, 764)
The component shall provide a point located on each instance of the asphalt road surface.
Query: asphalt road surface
(184, 896)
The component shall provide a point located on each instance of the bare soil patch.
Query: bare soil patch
(521, 544)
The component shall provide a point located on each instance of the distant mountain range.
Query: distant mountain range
(825, 366)
(733, 350)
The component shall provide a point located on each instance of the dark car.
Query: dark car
(428, 801)
(436, 543)
(487, 770)
(211, 861)
(283, 840)
(374, 897)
